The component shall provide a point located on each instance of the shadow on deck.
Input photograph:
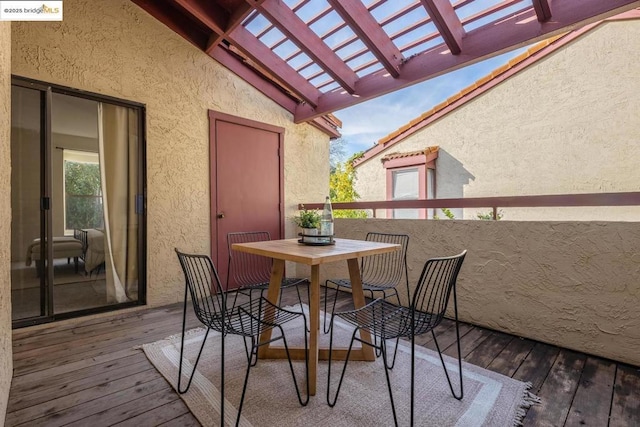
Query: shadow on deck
(90, 372)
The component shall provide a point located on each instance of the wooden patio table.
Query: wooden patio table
(290, 250)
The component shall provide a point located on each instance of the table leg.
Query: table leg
(277, 272)
(273, 294)
(358, 302)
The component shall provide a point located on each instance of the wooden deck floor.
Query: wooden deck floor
(91, 374)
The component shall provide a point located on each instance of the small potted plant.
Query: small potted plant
(309, 221)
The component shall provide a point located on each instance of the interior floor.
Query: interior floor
(72, 290)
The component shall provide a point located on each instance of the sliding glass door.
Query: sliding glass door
(77, 182)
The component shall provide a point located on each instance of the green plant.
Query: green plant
(447, 212)
(489, 215)
(307, 218)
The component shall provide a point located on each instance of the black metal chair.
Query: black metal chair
(248, 319)
(385, 321)
(380, 274)
(251, 272)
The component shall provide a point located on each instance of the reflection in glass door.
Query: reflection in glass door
(28, 256)
(77, 181)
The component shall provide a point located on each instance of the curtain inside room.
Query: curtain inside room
(118, 149)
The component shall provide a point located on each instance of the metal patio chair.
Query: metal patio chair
(250, 272)
(385, 321)
(380, 274)
(247, 320)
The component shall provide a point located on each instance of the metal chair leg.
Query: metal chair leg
(383, 351)
(195, 365)
(335, 300)
(455, 310)
(330, 402)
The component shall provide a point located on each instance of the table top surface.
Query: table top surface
(292, 250)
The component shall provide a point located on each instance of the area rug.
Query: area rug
(490, 399)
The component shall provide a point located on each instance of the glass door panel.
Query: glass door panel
(76, 205)
(28, 255)
(77, 183)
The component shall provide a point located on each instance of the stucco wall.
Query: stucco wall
(572, 284)
(6, 363)
(115, 48)
(566, 124)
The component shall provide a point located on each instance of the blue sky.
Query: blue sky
(364, 124)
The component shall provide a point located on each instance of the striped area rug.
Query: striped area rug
(490, 399)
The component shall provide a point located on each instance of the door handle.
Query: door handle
(220, 215)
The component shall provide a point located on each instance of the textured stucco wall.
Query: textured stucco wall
(572, 284)
(567, 124)
(115, 48)
(6, 362)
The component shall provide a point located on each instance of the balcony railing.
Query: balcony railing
(494, 203)
(566, 282)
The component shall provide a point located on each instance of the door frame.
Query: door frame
(214, 118)
(47, 294)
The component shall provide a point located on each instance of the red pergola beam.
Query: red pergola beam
(219, 21)
(248, 44)
(447, 23)
(298, 32)
(356, 15)
(543, 9)
(237, 66)
(506, 34)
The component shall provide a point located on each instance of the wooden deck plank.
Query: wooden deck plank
(625, 408)
(104, 339)
(511, 357)
(488, 349)
(131, 409)
(30, 378)
(186, 420)
(65, 403)
(90, 384)
(595, 386)
(557, 391)
(98, 326)
(62, 387)
(140, 313)
(447, 336)
(469, 342)
(157, 416)
(133, 337)
(536, 366)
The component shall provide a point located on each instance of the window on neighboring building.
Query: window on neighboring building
(405, 187)
(411, 176)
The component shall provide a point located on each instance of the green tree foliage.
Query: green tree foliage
(83, 195)
(341, 188)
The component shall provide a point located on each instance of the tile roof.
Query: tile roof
(515, 65)
(467, 93)
(426, 151)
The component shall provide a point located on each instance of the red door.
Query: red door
(246, 181)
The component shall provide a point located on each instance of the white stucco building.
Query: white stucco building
(562, 118)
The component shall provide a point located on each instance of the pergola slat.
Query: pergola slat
(447, 23)
(248, 44)
(508, 33)
(213, 24)
(362, 23)
(297, 31)
(229, 60)
(543, 9)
